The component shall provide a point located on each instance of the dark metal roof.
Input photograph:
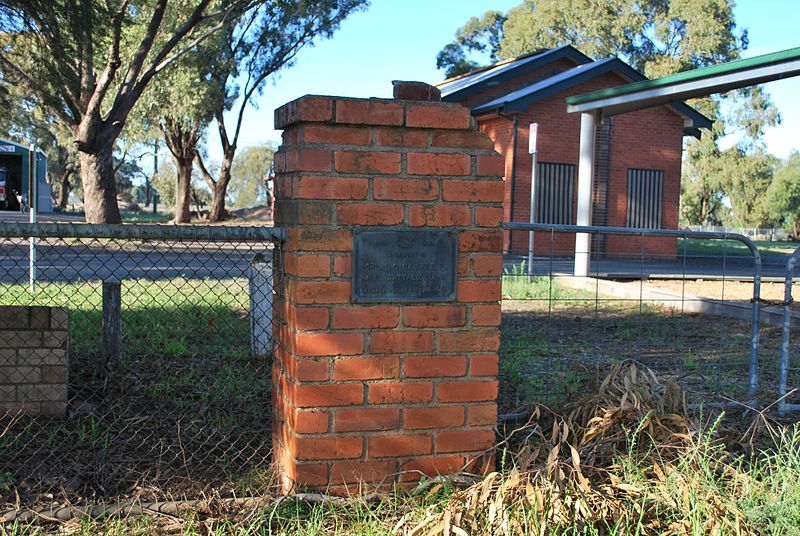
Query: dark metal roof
(520, 100)
(455, 89)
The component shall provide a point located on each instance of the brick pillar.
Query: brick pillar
(380, 393)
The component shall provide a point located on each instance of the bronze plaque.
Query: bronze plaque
(402, 265)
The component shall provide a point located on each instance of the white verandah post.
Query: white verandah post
(585, 174)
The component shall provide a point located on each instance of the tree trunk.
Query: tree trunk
(217, 212)
(63, 190)
(183, 190)
(794, 231)
(99, 187)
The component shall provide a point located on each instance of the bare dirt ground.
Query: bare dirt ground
(720, 290)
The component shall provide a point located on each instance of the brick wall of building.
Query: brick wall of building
(384, 393)
(33, 359)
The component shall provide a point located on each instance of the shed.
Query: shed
(15, 158)
(637, 179)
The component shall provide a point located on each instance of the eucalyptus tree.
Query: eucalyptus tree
(179, 104)
(265, 40)
(89, 61)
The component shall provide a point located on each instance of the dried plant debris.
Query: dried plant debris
(626, 459)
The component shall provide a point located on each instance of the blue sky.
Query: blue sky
(399, 39)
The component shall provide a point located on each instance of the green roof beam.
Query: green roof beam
(690, 84)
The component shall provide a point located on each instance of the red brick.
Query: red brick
(311, 474)
(473, 191)
(467, 139)
(363, 419)
(310, 422)
(436, 417)
(307, 370)
(488, 216)
(356, 472)
(435, 366)
(474, 340)
(318, 160)
(421, 316)
(480, 241)
(310, 292)
(438, 164)
(391, 342)
(438, 215)
(483, 365)
(303, 212)
(307, 265)
(488, 265)
(336, 135)
(369, 214)
(328, 448)
(442, 465)
(437, 116)
(320, 396)
(366, 368)
(491, 165)
(309, 108)
(464, 441)
(322, 344)
(475, 391)
(397, 446)
(367, 162)
(343, 266)
(479, 291)
(369, 112)
(308, 318)
(315, 239)
(486, 315)
(330, 188)
(485, 415)
(463, 265)
(405, 189)
(365, 317)
(401, 137)
(400, 392)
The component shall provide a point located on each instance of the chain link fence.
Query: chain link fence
(689, 305)
(163, 392)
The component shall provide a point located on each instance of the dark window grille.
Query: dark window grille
(555, 184)
(645, 198)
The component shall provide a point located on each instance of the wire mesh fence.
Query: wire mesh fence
(689, 305)
(167, 398)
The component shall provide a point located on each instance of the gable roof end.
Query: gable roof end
(520, 100)
(461, 87)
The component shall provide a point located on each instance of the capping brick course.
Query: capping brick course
(33, 359)
(379, 394)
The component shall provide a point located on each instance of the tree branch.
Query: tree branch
(204, 172)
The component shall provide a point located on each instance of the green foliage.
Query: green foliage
(249, 175)
(783, 196)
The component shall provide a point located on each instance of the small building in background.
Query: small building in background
(637, 155)
(14, 166)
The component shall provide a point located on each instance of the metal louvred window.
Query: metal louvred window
(645, 196)
(554, 185)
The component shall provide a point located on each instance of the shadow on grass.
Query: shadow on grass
(187, 413)
(556, 345)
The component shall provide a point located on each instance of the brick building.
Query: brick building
(638, 155)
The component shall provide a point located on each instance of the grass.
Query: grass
(713, 248)
(603, 466)
(185, 412)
